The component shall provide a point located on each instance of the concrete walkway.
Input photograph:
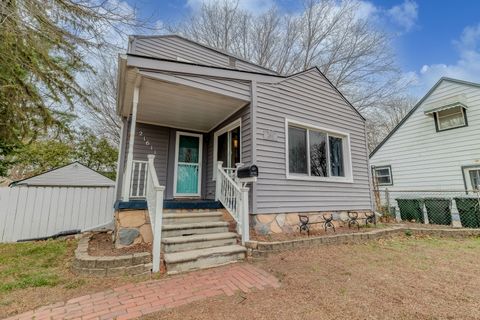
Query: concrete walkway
(134, 300)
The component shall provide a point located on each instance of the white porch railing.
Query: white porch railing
(138, 179)
(234, 198)
(154, 195)
(231, 172)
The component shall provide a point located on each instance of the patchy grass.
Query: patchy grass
(32, 264)
(403, 278)
(33, 274)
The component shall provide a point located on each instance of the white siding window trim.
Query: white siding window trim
(229, 127)
(347, 154)
(468, 178)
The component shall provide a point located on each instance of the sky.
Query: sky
(431, 38)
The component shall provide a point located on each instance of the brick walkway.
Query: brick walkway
(134, 300)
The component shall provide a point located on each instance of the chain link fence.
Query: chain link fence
(452, 208)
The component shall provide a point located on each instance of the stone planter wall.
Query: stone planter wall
(265, 224)
(131, 264)
(132, 227)
(258, 249)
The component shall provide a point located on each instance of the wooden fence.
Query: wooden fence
(33, 212)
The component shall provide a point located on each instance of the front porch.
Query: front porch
(188, 126)
(183, 138)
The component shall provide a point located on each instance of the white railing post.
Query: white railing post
(218, 181)
(154, 195)
(244, 215)
(157, 229)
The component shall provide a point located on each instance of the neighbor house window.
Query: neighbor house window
(383, 175)
(451, 118)
(475, 178)
(471, 177)
(317, 153)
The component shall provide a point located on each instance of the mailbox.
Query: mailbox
(247, 172)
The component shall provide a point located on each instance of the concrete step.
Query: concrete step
(203, 258)
(191, 217)
(188, 229)
(199, 241)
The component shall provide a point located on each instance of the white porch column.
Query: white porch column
(128, 167)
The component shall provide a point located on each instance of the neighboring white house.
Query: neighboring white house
(437, 145)
(73, 197)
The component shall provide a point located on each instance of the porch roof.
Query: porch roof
(181, 101)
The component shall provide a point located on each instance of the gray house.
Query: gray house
(202, 113)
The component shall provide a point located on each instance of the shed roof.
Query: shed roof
(71, 175)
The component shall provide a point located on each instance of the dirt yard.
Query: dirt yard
(404, 278)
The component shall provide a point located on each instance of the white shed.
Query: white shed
(72, 175)
(71, 198)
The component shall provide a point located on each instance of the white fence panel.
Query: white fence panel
(34, 212)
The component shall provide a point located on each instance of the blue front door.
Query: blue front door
(188, 164)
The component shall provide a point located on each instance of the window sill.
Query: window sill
(320, 179)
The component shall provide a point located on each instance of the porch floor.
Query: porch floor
(170, 204)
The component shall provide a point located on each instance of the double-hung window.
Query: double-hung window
(475, 179)
(316, 153)
(383, 175)
(471, 176)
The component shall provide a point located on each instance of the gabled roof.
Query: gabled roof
(419, 103)
(225, 53)
(74, 174)
(329, 82)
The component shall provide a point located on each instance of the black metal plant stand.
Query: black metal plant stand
(328, 223)
(353, 220)
(370, 218)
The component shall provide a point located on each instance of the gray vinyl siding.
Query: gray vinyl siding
(308, 98)
(158, 138)
(245, 136)
(173, 48)
(234, 88)
(162, 142)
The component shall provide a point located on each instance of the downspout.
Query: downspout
(370, 185)
(253, 119)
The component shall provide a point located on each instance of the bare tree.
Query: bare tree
(102, 87)
(381, 121)
(354, 54)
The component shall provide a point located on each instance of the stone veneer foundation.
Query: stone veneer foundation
(265, 224)
(132, 227)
